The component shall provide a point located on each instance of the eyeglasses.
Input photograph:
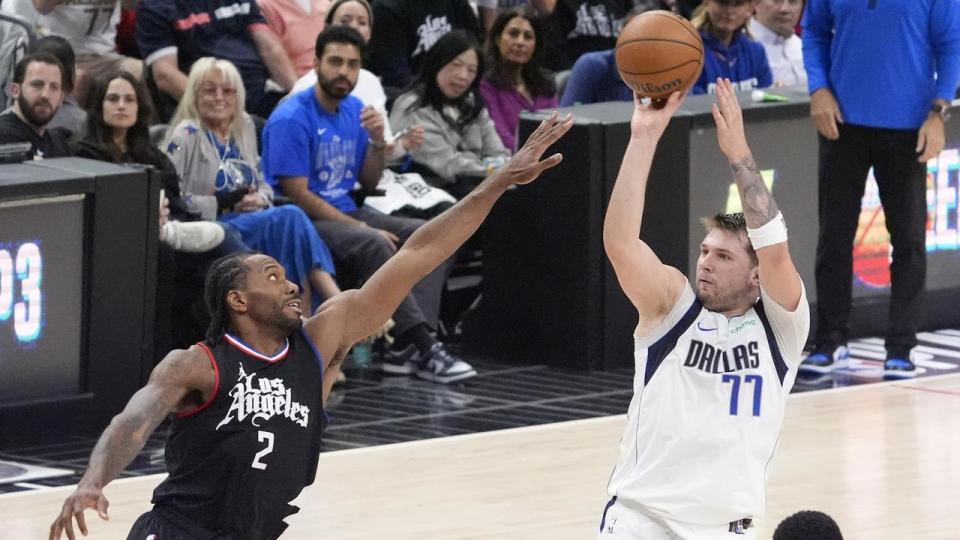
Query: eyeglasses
(211, 91)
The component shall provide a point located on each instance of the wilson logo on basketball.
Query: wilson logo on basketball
(651, 88)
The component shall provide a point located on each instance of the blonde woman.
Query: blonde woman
(213, 146)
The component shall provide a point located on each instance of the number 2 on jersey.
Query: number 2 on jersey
(755, 380)
(261, 437)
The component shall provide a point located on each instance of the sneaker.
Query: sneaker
(821, 361)
(899, 368)
(442, 367)
(400, 362)
(191, 236)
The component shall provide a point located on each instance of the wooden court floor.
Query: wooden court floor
(883, 459)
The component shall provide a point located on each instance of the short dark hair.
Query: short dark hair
(61, 48)
(328, 20)
(339, 34)
(225, 274)
(20, 72)
(808, 524)
(735, 223)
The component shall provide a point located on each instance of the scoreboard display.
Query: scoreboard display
(41, 296)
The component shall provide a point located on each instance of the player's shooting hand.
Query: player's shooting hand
(525, 166)
(651, 119)
(372, 121)
(825, 112)
(931, 138)
(729, 119)
(84, 497)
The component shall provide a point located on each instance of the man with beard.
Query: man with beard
(317, 145)
(249, 401)
(714, 361)
(38, 90)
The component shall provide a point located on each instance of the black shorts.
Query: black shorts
(162, 524)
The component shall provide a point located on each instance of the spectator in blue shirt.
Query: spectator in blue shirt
(881, 77)
(318, 145)
(730, 52)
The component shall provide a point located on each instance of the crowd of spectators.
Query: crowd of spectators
(334, 95)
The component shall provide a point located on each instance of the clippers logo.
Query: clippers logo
(262, 399)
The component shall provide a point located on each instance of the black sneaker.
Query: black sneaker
(442, 367)
(400, 362)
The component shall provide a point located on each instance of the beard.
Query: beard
(287, 324)
(328, 86)
(30, 113)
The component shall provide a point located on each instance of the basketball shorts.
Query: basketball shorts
(623, 522)
(161, 524)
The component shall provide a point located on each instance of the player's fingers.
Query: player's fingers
(102, 505)
(718, 118)
(81, 522)
(68, 527)
(55, 530)
(551, 161)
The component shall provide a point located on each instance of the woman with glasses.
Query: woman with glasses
(213, 145)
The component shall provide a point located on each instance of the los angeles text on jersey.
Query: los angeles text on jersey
(261, 399)
(710, 359)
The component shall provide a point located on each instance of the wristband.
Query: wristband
(768, 234)
(377, 145)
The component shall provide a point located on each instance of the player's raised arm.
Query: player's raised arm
(356, 314)
(765, 226)
(176, 376)
(649, 284)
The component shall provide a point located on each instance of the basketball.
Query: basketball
(658, 53)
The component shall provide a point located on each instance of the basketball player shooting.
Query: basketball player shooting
(715, 360)
(248, 402)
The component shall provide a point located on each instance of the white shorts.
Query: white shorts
(620, 522)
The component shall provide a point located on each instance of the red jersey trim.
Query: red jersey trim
(253, 27)
(194, 19)
(253, 353)
(216, 384)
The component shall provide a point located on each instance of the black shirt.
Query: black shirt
(52, 144)
(579, 26)
(406, 29)
(236, 462)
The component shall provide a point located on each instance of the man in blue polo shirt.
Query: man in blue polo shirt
(881, 77)
(317, 145)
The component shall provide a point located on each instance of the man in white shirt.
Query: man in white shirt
(773, 27)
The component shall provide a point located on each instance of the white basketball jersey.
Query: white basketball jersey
(89, 25)
(705, 418)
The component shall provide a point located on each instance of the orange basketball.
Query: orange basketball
(658, 53)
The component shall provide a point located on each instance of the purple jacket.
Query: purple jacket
(505, 106)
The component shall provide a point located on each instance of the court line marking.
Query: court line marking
(495, 433)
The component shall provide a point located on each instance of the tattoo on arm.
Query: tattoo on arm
(759, 207)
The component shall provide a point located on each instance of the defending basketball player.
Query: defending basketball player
(248, 402)
(715, 360)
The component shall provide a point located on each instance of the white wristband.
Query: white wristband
(768, 234)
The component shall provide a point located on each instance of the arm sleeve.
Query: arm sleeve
(182, 150)
(390, 51)
(492, 141)
(945, 37)
(490, 95)
(272, 16)
(790, 327)
(286, 149)
(579, 88)
(764, 74)
(817, 37)
(154, 30)
(255, 17)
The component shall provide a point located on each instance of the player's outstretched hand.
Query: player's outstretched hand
(525, 166)
(729, 119)
(84, 497)
(650, 120)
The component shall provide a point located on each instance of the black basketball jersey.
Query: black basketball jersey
(237, 461)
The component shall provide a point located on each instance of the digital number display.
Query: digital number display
(41, 297)
(21, 296)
